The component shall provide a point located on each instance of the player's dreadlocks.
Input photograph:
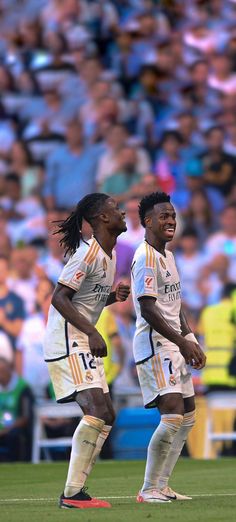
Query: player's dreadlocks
(148, 202)
(87, 208)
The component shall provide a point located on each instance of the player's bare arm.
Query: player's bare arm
(62, 301)
(154, 317)
(121, 293)
(185, 329)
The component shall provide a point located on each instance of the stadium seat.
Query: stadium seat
(132, 432)
(218, 401)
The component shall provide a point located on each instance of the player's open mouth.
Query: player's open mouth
(169, 231)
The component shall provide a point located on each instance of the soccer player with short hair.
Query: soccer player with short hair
(164, 347)
(73, 348)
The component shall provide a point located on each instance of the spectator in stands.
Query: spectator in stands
(31, 174)
(25, 215)
(230, 139)
(52, 259)
(6, 80)
(134, 234)
(53, 68)
(122, 183)
(219, 167)
(222, 78)
(213, 277)
(124, 257)
(16, 413)
(191, 141)
(122, 58)
(200, 91)
(190, 260)
(5, 244)
(147, 185)
(117, 138)
(12, 312)
(29, 354)
(148, 88)
(223, 241)
(194, 183)
(70, 170)
(23, 278)
(201, 216)
(217, 328)
(201, 38)
(113, 362)
(169, 167)
(89, 112)
(125, 319)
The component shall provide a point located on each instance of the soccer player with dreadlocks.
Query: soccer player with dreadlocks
(164, 347)
(73, 348)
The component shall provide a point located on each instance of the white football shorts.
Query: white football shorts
(165, 372)
(79, 371)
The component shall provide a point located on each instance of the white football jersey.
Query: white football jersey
(154, 274)
(90, 272)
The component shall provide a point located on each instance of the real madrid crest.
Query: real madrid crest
(89, 376)
(172, 380)
(162, 263)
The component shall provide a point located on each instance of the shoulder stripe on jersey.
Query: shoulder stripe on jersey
(150, 256)
(93, 256)
(92, 252)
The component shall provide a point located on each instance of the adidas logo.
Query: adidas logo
(74, 344)
(168, 274)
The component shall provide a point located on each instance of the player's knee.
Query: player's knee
(189, 419)
(101, 412)
(110, 418)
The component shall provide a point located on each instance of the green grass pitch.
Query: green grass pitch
(30, 492)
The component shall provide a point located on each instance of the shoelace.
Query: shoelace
(84, 490)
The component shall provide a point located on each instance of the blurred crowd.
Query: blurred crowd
(124, 97)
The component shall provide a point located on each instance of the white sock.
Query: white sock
(83, 445)
(176, 448)
(102, 437)
(159, 447)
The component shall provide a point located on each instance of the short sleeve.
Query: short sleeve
(75, 271)
(144, 278)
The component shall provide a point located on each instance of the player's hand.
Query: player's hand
(97, 344)
(199, 366)
(122, 292)
(193, 354)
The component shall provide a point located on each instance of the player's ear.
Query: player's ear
(148, 221)
(104, 217)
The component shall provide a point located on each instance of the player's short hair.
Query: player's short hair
(148, 202)
(87, 208)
